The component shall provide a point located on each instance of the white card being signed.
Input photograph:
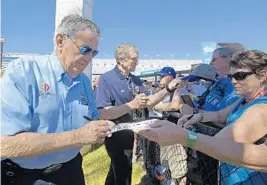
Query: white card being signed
(142, 125)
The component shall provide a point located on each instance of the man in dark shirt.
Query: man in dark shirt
(118, 87)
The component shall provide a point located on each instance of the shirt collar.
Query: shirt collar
(119, 73)
(56, 66)
(59, 71)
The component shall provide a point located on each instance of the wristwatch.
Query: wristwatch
(170, 90)
(196, 110)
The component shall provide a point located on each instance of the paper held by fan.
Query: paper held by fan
(135, 126)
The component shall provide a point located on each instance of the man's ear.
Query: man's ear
(60, 40)
(121, 63)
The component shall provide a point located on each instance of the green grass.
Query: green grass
(96, 166)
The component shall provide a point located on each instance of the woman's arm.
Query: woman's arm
(240, 154)
(220, 116)
(207, 116)
(249, 128)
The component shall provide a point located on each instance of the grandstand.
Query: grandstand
(101, 66)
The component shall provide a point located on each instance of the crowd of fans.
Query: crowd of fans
(207, 89)
(216, 90)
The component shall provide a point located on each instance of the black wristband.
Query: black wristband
(169, 90)
(196, 111)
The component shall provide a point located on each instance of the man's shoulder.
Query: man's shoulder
(108, 74)
(26, 65)
(136, 79)
(226, 84)
(225, 81)
(23, 71)
(27, 62)
(35, 59)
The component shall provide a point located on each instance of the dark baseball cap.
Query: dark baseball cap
(202, 71)
(167, 71)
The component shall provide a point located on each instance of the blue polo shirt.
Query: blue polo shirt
(114, 89)
(221, 95)
(38, 96)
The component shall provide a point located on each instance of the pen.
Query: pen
(190, 117)
(87, 118)
(90, 119)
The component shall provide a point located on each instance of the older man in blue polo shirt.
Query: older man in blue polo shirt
(117, 87)
(47, 103)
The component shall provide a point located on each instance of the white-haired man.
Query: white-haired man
(46, 107)
(117, 87)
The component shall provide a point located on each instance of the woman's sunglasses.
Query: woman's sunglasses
(239, 75)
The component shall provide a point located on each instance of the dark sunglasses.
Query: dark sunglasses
(84, 50)
(214, 59)
(239, 75)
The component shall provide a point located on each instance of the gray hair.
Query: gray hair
(123, 51)
(225, 52)
(73, 23)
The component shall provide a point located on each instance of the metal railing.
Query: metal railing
(194, 167)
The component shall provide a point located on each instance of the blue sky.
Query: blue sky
(174, 29)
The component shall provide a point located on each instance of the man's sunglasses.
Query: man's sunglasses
(84, 50)
(214, 59)
(239, 75)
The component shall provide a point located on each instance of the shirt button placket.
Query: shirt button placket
(67, 111)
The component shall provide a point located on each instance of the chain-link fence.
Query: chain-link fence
(178, 165)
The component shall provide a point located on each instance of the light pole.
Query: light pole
(81, 7)
(1, 50)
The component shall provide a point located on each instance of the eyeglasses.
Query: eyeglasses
(84, 50)
(239, 75)
(213, 60)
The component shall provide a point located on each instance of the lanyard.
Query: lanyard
(202, 98)
(261, 93)
(133, 89)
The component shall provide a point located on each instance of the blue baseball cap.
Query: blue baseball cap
(167, 71)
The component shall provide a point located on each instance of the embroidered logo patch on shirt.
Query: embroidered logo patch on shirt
(44, 90)
(44, 87)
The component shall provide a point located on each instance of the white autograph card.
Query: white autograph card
(142, 125)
